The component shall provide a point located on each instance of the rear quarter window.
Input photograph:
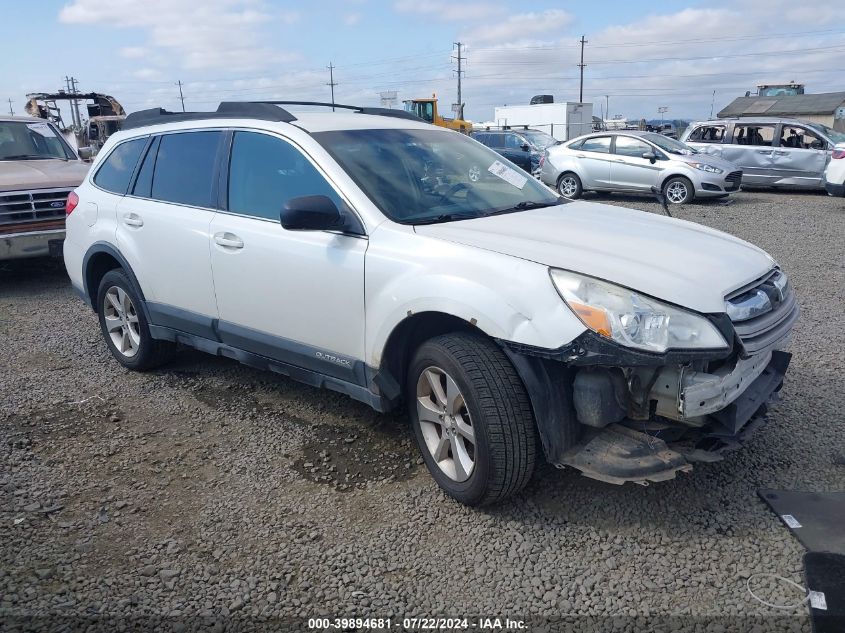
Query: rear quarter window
(116, 171)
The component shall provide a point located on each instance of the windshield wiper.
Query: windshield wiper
(525, 205)
(445, 217)
(30, 157)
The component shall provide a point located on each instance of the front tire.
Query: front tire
(472, 418)
(124, 326)
(569, 186)
(678, 190)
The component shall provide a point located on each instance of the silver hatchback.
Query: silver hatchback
(632, 161)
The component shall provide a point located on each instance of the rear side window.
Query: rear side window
(600, 144)
(265, 172)
(707, 134)
(759, 135)
(184, 168)
(116, 171)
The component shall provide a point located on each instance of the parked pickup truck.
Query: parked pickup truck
(38, 169)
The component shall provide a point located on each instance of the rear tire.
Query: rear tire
(472, 418)
(569, 185)
(124, 326)
(678, 190)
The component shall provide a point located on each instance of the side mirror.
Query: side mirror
(311, 213)
(525, 147)
(85, 153)
(650, 156)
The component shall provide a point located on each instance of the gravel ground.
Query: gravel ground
(211, 489)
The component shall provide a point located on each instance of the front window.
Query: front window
(669, 145)
(829, 132)
(425, 176)
(37, 140)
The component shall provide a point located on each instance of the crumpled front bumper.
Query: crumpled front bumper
(728, 408)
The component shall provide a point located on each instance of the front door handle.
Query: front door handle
(781, 153)
(133, 219)
(764, 151)
(228, 240)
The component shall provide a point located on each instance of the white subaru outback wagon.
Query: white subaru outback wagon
(408, 265)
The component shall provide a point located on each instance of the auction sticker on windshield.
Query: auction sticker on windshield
(42, 128)
(507, 174)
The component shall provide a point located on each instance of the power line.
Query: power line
(331, 83)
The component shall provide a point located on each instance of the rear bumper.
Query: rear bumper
(31, 244)
(835, 190)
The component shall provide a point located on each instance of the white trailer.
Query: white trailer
(563, 120)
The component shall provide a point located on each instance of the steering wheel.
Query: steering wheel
(458, 186)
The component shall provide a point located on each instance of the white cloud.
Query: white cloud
(520, 27)
(449, 11)
(133, 52)
(149, 74)
(212, 34)
(351, 19)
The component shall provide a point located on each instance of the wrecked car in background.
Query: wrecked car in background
(38, 170)
(772, 152)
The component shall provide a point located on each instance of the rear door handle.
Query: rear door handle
(782, 153)
(228, 240)
(764, 151)
(133, 219)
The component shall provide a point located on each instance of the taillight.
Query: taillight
(542, 159)
(839, 153)
(72, 201)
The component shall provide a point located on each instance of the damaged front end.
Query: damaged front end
(644, 417)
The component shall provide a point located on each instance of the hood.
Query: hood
(709, 159)
(41, 174)
(677, 261)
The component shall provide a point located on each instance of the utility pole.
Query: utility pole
(460, 112)
(73, 83)
(661, 110)
(331, 83)
(11, 109)
(712, 101)
(581, 66)
(607, 105)
(181, 96)
(70, 83)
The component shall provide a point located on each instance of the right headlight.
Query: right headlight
(632, 319)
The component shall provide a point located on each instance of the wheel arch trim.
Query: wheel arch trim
(99, 248)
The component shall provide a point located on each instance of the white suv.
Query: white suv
(401, 263)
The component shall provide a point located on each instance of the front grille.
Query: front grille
(23, 207)
(734, 179)
(763, 314)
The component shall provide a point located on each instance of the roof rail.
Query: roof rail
(262, 110)
(226, 110)
(399, 114)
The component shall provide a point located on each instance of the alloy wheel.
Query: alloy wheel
(121, 319)
(676, 192)
(568, 186)
(445, 423)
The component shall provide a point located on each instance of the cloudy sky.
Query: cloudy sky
(640, 55)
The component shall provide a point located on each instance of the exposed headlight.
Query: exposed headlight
(632, 319)
(705, 167)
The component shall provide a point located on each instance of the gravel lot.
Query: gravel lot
(208, 488)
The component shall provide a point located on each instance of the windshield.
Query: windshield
(539, 139)
(427, 176)
(833, 135)
(22, 140)
(669, 144)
